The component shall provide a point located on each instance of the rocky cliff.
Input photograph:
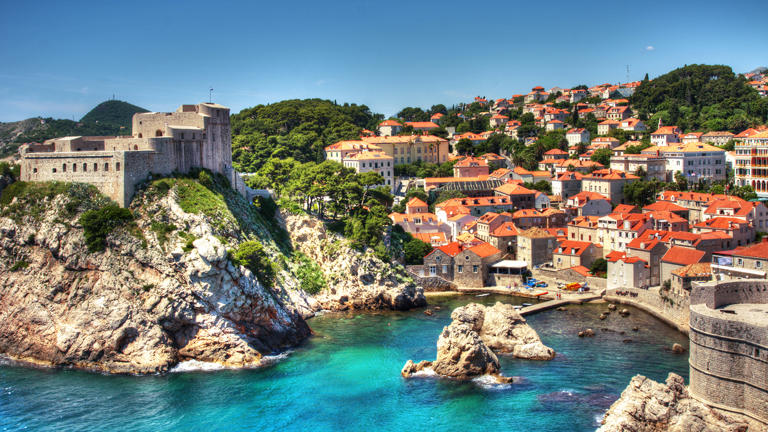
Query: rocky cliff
(166, 288)
(648, 406)
(355, 280)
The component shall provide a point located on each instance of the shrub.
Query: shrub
(162, 229)
(19, 265)
(205, 179)
(309, 273)
(266, 206)
(97, 224)
(190, 239)
(252, 256)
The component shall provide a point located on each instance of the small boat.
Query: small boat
(482, 295)
(541, 293)
(517, 307)
(527, 304)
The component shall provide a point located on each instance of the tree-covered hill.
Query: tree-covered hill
(295, 128)
(113, 112)
(702, 98)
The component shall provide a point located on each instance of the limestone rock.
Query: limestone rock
(411, 368)
(462, 354)
(504, 330)
(134, 308)
(356, 280)
(587, 333)
(678, 349)
(648, 406)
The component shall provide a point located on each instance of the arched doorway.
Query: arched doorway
(158, 133)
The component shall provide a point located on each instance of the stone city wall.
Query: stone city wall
(729, 353)
(670, 308)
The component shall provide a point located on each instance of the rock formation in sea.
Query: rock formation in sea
(167, 286)
(461, 354)
(466, 347)
(356, 280)
(504, 330)
(649, 406)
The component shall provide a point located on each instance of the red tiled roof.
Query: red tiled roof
(683, 256)
(664, 206)
(581, 270)
(389, 123)
(625, 208)
(758, 250)
(572, 247)
(513, 189)
(415, 202)
(555, 152)
(484, 250)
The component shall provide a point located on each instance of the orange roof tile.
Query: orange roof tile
(683, 256)
(484, 250)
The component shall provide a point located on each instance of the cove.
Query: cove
(347, 377)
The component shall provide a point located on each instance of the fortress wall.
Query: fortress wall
(146, 125)
(729, 354)
(733, 292)
(100, 169)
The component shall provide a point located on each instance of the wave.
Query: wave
(489, 382)
(201, 366)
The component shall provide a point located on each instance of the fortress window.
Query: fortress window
(85, 167)
(54, 170)
(158, 133)
(74, 167)
(135, 147)
(95, 166)
(34, 170)
(140, 136)
(106, 167)
(64, 168)
(117, 166)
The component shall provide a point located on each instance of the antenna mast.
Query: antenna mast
(210, 95)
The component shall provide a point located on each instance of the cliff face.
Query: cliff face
(646, 405)
(137, 307)
(166, 287)
(355, 280)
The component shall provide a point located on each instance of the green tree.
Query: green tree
(415, 250)
(603, 156)
(599, 266)
(465, 147)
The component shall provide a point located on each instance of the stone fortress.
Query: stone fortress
(195, 136)
(729, 346)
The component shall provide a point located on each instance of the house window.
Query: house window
(182, 135)
(117, 166)
(739, 262)
(758, 264)
(432, 270)
(474, 269)
(460, 269)
(445, 268)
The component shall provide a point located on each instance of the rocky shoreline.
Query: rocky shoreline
(646, 405)
(150, 300)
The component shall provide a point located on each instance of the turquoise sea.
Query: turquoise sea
(347, 378)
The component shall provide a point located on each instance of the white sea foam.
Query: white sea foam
(599, 419)
(425, 373)
(489, 382)
(201, 366)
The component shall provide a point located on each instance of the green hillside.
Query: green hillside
(112, 112)
(295, 128)
(701, 98)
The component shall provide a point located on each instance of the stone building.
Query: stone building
(535, 246)
(729, 346)
(195, 136)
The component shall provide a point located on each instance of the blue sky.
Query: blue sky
(59, 59)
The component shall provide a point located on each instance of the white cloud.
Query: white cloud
(649, 48)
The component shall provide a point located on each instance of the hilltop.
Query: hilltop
(700, 97)
(107, 118)
(113, 112)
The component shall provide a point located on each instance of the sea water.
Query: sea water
(347, 378)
